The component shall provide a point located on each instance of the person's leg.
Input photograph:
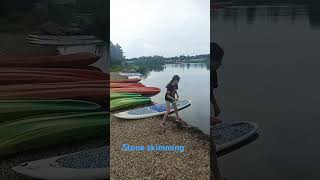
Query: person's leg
(176, 111)
(216, 109)
(165, 117)
(214, 162)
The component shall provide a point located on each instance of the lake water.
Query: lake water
(193, 85)
(270, 75)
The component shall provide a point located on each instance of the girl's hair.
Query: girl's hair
(175, 77)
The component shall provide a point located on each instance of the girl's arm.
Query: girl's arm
(177, 94)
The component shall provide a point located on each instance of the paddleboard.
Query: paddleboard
(229, 134)
(151, 111)
(84, 165)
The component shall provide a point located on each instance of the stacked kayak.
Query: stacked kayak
(37, 132)
(147, 91)
(12, 110)
(114, 95)
(53, 91)
(50, 101)
(48, 75)
(59, 61)
(63, 40)
(129, 93)
(125, 85)
(123, 103)
(133, 80)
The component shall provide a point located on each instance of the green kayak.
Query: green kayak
(11, 110)
(124, 103)
(33, 133)
(115, 95)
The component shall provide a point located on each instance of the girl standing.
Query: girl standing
(171, 97)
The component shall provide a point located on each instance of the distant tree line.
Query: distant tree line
(116, 54)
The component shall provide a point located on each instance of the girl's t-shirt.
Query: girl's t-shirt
(171, 90)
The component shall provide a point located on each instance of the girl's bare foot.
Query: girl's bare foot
(162, 125)
(216, 120)
(179, 120)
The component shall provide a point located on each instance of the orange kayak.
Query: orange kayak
(148, 91)
(133, 80)
(71, 60)
(49, 75)
(123, 85)
(58, 71)
(60, 85)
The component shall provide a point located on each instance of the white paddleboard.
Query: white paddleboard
(230, 134)
(90, 164)
(151, 111)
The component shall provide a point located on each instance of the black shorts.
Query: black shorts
(168, 99)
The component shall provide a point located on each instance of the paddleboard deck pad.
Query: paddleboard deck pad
(82, 165)
(229, 134)
(151, 111)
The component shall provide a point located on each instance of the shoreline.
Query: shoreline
(192, 163)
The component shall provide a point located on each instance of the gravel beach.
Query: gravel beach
(193, 163)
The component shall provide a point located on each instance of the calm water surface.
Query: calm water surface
(270, 75)
(194, 85)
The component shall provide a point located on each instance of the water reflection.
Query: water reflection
(274, 13)
(192, 75)
(145, 71)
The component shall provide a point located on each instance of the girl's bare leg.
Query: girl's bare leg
(165, 117)
(176, 112)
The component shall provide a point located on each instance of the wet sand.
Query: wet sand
(193, 163)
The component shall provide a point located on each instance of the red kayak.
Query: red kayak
(125, 85)
(133, 80)
(148, 91)
(71, 60)
(55, 86)
(38, 75)
(58, 71)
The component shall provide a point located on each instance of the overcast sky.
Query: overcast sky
(161, 27)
